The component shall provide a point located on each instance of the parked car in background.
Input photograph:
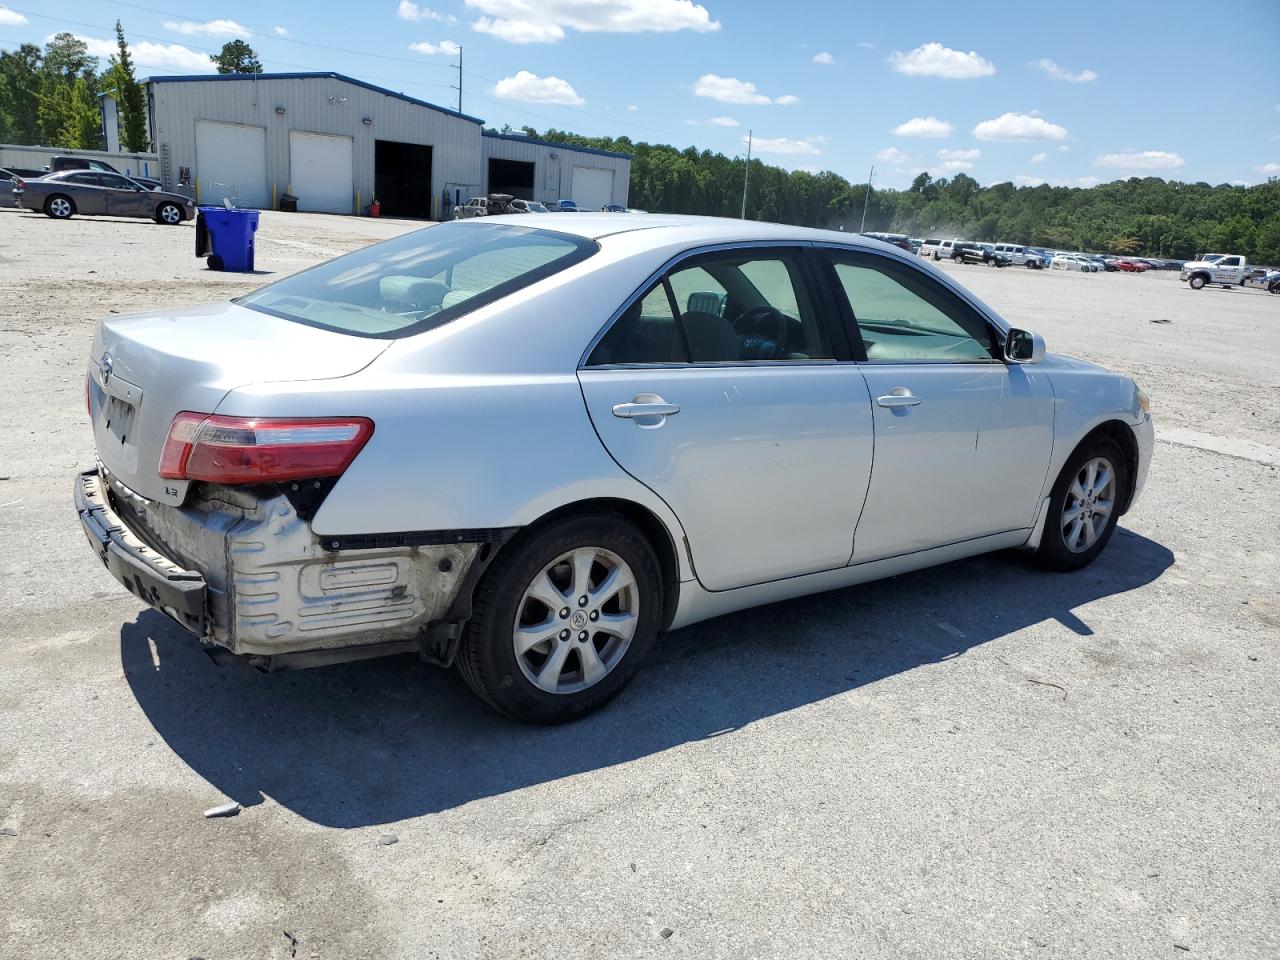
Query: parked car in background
(1069, 261)
(938, 249)
(474, 207)
(61, 163)
(566, 206)
(1021, 256)
(528, 206)
(92, 193)
(1125, 265)
(984, 253)
(269, 471)
(916, 244)
(613, 208)
(899, 240)
(7, 181)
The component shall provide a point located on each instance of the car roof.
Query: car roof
(702, 230)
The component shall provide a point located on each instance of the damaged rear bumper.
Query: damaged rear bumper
(247, 573)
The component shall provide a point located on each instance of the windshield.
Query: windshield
(420, 280)
(536, 207)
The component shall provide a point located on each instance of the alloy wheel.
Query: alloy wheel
(1090, 501)
(60, 207)
(170, 214)
(575, 620)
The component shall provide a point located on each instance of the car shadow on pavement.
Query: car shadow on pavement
(384, 740)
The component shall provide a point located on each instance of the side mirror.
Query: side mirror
(1023, 346)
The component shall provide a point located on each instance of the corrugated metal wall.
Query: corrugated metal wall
(553, 166)
(316, 105)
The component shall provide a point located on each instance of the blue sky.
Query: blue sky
(1055, 92)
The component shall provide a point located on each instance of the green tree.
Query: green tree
(20, 84)
(236, 56)
(1123, 245)
(82, 126)
(128, 95)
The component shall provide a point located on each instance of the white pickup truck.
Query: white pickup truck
(1228, 270)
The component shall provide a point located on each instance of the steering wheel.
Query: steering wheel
(747, 322)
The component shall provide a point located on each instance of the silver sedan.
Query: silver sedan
(530, 450)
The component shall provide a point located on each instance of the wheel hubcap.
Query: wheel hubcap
(576, 619)
(61, 207)
(170, 215)
(1090, 500)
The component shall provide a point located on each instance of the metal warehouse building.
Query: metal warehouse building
(539, 170)
(335, 143)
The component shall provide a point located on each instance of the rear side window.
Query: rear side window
(420, 280)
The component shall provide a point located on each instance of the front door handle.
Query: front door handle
(898, 397)
(639, 408)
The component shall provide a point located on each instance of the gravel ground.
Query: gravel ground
(981, 760)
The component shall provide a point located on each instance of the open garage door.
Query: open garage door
(231, 162)
(592, 188)
(320, 173)
(511, 176)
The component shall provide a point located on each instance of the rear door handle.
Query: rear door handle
(898, 397)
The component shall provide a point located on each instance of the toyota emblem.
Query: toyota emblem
(105, 365)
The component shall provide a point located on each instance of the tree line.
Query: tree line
(1141, 215)
(49, 95)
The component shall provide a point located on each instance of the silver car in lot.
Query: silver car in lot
(97, 193)
(529, 451)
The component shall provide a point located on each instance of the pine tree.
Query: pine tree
(129, 97)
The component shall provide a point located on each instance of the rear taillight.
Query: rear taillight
(243, 450)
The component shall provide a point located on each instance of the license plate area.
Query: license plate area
(119, 415)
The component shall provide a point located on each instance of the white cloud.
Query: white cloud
(1062, 73)
(786, 100)
(210, 28)
(11, 18)
(935, 60)
(866, 46)
(1039, 157)
(973, 154)
(281, 32)
(545, 21)
(953, 166)
(1026, 181)
(733, 90)
(1064, 149)
(1269, 169)
(411, 11)
(1023, 180)
(714, 122)
(632, 107)
(1019, 126)
(823, 58)
(519, 31)
(807, 146)
(896, 160)
(148, 54)
(1141, 160)
(531, 88)
(1078, 182)
(444, 46)
(924, 127)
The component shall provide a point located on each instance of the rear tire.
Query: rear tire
(1084, 506)
(539, 664)
(169, 213)
(60, 207)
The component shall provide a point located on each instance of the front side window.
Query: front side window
(748, 306)
(115, 182)
(903, 315)
(420, 280)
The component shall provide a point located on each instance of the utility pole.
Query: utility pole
(867, 198)
(746, 176)
(458, 87)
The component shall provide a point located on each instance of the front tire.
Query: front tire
(1196, 282)
(1084, 506)
(563, 619)
(60, 207)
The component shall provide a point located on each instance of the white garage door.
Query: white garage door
(231, 162)
(592, 189)
(320, 172)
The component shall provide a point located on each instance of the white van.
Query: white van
(1020, 255)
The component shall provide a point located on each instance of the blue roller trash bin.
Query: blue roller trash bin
(226, 238)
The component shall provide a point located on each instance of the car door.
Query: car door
(1228, 270)
(962, 439)
(123, 197)
(719, 387)
(86, 191)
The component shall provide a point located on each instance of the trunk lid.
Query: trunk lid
(145, 368)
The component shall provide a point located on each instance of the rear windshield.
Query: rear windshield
(420, 280)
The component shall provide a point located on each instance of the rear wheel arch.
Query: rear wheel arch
(643, 519)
